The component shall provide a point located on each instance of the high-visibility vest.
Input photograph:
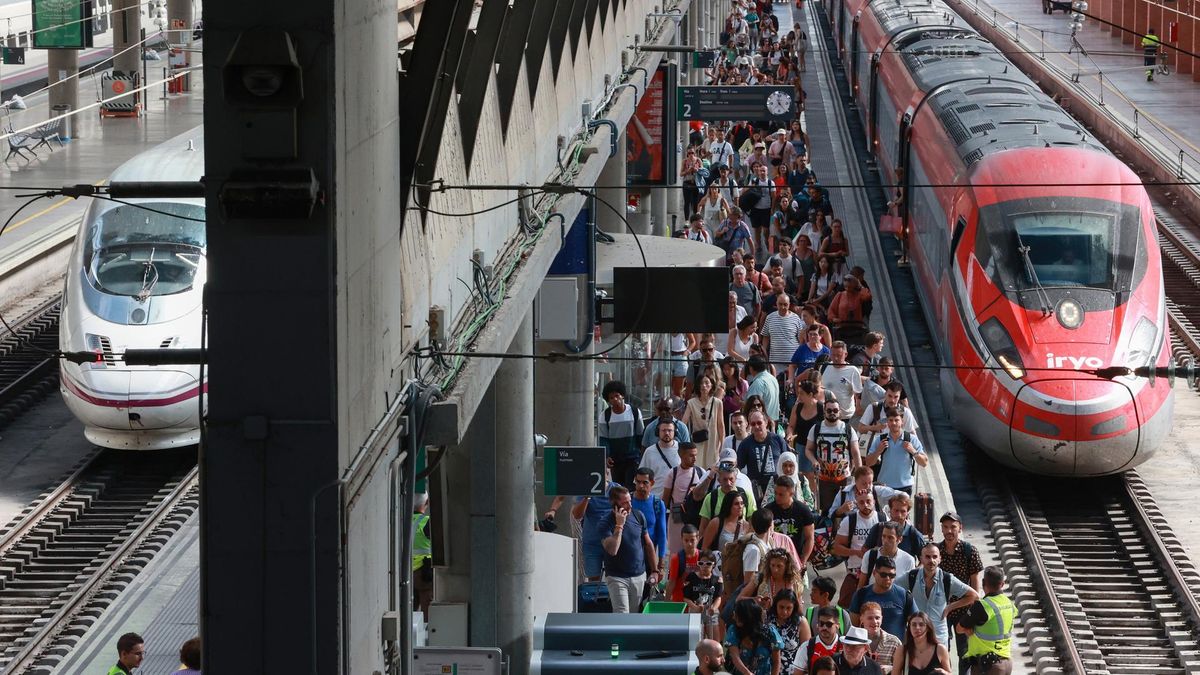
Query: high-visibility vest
(1151, 42)
(995, 635)
(422, 548)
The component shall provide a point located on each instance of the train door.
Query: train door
(854, 50)
(873, 104)
(903, 147)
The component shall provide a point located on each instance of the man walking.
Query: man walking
(630, 558)
(988, 625)
(131, 649)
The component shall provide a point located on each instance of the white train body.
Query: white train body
(135, 281)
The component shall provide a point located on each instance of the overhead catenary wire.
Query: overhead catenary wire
(555, 187)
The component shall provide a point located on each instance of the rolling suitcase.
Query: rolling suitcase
(593, 598)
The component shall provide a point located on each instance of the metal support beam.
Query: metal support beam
(578, 14)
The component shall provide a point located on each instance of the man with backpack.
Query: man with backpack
(962, 560)
(663, 456)
(911, 539)
(759, 454)
(826, 641)
(933, 588)
(889, 547)
(718, 485)
(851, 542)
(898, 453)
(677, 494)
(895, 601)
(832, 447)
(873, 422)
(619, 431)
(653, 508)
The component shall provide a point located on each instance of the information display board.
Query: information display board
(62, 24)
(754, 103)
(574, 471)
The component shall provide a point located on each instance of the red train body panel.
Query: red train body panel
(1033, 247)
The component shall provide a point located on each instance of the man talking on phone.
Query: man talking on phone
(630, 558)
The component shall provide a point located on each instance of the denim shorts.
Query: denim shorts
(679, 365)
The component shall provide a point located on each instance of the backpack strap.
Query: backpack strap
(812, 650)
(680, 565)
(912, 579)
(872, 558)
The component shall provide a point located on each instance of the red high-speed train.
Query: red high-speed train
(1033, 246)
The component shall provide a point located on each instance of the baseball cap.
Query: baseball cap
(950, 515)
(760, 144)
(727, 455)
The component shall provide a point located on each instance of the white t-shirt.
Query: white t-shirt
(844, 382)
(752, 554)
(653, 459)
(905, 563)
(862, 527)
(722, 152)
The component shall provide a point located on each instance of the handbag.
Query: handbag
(889, 224)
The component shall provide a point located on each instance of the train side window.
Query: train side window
(959, 228)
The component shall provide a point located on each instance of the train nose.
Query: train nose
(160, 399)
(1074, 427)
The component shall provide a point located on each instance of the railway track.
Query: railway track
(1181, 281)
(68, 556)
(1101, 583)
(28, 369)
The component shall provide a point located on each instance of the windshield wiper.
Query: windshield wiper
(1031, 275)
(149, 279)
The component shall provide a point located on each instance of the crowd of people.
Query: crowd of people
(786, 447)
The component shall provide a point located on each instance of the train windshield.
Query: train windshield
(1062, 243)
(1066, 249)
(141, 253)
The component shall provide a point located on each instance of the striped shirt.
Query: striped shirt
(784, 332)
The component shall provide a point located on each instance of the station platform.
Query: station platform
(1173, 473)
(1109, 73)
(97, 147)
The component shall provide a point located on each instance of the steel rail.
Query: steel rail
(45, 635)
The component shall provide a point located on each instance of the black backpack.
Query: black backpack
(887, 443)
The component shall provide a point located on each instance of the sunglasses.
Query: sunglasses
(706, 563)
(827, 624)
(887, 575)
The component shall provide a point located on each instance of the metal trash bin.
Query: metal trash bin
(62, 109)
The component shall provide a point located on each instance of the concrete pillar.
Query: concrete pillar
(180, 20)
(514, 448)
(659, 220)
(612, 177)
(127, 31)
(63, 66)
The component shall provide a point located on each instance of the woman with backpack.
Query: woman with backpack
(754, 646)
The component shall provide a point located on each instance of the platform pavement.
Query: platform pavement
(1108, 70)
(96, 148)
(1173, 473)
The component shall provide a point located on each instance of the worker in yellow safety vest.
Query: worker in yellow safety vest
(422, 556)
(988, 625)
(1150, 47)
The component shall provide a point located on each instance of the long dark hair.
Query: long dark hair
(930, 634)
(786, 595)
(748, 621)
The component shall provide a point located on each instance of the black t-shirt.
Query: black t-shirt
(701, 591)
(792, 521)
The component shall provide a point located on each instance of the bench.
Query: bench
(50, 131)
(19, 144)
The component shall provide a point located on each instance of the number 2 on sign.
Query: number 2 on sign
(687, 109)
(597, 488)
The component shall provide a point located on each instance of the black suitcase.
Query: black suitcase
(593, 598)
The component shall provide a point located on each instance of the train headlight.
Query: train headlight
(1002, 347)
(1069, 314)
(1141, 344)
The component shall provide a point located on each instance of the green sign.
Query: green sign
(575, 471)
(60, 24)
(14, 56)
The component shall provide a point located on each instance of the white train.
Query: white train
(135, 281)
